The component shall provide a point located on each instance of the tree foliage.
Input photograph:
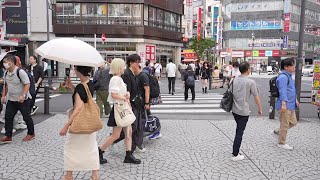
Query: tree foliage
(199, 46)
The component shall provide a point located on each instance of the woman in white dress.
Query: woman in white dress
(80, 150)
(118, 92)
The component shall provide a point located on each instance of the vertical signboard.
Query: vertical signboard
(189, 10)
(189, 27)
(16, 19)
(287, 6)
(287, 19)
(151, 52)
(316, 83)
(199, 23)
(215, 16)
(285, 42)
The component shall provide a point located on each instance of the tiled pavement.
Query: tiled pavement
(189, 149)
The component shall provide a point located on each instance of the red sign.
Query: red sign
(189, 55)
(287, 19)
(184, 39)
(189, 3)
(248, 53)
(150, 52)
(103, 38)
(276, 53)
(262, 53)
(199, 22)
(15, 39)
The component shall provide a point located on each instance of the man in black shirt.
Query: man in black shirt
(37, 73)
(137, 102)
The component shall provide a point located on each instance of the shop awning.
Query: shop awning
(8, 43)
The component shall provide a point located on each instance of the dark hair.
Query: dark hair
(35, 58)
(287, 62)
(230, 62)
(133, 58)
(170, 60)
(147, 63)
(216, 67)
(84, 70)
(244, 67)
(236, 64)
(11, 58)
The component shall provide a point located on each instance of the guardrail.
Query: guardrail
(304, 98)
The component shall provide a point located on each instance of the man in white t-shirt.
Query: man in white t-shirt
(158, 70)
(234, 72)
(171, 71)
(193, 66)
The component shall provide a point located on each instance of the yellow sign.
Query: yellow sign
(255, 53)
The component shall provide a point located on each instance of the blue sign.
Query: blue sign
(268, 53)
(256, 24)
(285, 42)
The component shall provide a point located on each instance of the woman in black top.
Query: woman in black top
(80, 150)
(197, 70)
(205, 74)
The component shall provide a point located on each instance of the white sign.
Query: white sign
(287, 6)
(257, 6)
(237, 54)
(265, 43)
(189, 28)
(188, 10)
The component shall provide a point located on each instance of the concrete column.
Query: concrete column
(141, 51)
(176, 57)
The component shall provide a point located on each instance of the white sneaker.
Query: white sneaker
(285, 146)
(3, 131)
(237, 158)
(138, 150)
(20, 126)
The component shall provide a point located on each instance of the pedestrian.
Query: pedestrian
(158, 70)
(101, 81)
(234, 72)
(1, 87)
(147, 68)
(117, 93)
(216, 77)
(37, 73)
(16, 94)
(205, 73)
(287, 102)
(197, 71)
(225, 74)
(193, 66)
(45, 67)
(80, 150)
(189, 83)
(243, 88)
(171, 71)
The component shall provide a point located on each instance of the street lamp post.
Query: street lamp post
(253, 38)
(51, 7)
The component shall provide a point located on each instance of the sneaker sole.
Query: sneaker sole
(129, 162)
(28, 139)
(6, 142)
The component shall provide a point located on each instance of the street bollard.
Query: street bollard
(46, 99)
(272, 102)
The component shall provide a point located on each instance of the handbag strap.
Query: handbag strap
(87, 91)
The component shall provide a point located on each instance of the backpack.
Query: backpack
(190, 81)
(32, 89)
(152, 124)
(227, 99)
(146, 70)
(273, 85)
(154, 86)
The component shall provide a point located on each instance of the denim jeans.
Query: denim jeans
(171, 84)
(186, 89)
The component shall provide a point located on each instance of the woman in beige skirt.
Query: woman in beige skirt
(80, 150)
(216, 79)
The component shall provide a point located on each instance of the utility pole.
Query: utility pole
(300, 50)
(48, 38)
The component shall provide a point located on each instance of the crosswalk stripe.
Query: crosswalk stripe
(186, 111)
(164, 101)
(185, 106)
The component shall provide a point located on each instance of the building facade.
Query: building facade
(151, 29)
(266, 31)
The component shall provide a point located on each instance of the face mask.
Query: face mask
(6, 65)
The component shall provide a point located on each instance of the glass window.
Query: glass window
(68, 12)
(89, 10)
(136, 10)
(152, 16)
(119, 10)
(146, 15)
(160, 17)
(102, 10)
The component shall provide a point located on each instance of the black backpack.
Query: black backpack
(32, 89)
(154, 86)
(190, 81)
(274, 91)
(227, 99)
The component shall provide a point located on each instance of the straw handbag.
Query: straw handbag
(88, 119)
(123, 114)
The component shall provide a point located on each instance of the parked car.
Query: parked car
(307, 70)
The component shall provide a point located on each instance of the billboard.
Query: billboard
(188, 10)
(287, 19)
(256, 24)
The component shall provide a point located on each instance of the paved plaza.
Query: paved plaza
(189, 149)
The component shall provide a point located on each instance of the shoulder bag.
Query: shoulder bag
(88, 119)
(227, 99)
(123, 114)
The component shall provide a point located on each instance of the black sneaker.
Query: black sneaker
(34, 110)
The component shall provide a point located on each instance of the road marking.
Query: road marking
(186, 105)
(186, 111)
(52, 96)
(196, 102)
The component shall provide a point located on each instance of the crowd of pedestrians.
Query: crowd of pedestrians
(129, 82)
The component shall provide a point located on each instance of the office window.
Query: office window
(160, 17)
(68, 13)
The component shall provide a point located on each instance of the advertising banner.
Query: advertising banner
(285, 42)
(151, 52)
(199, 23)
(315, 98)
(287, 6)
(271, 43)
(256, 24)
(188, 10)
(287, 19)
(189, 27)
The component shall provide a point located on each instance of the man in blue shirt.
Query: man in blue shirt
(287, 102)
